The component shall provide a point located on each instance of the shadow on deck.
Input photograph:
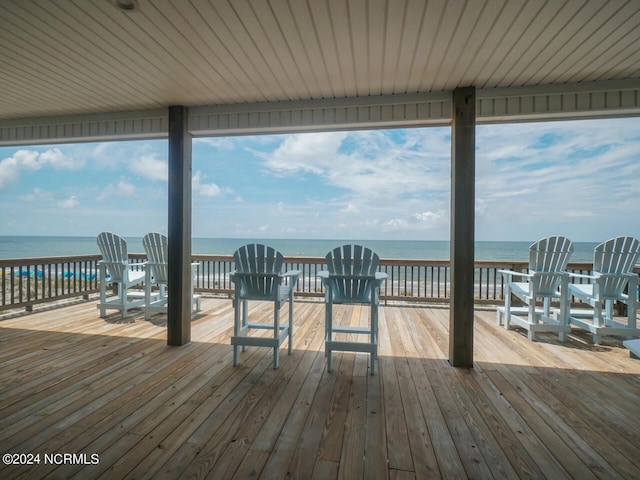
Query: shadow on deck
(77, 384)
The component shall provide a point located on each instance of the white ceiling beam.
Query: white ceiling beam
(494, 105)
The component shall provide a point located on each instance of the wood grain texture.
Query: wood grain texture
(71, 382)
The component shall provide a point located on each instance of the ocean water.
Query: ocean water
(33, 246)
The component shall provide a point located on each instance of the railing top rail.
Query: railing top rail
(18, 262)
(14, 262)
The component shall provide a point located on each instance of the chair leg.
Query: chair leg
(103, 296)
(328, 312)
(532, 318)
(147, 296)
(245, 317)
(122, 293)
(507, 308)
(564, 309)
(374, 337)
(290, 322)
(276, 332)
(631, 311)
(608, 311)
(236, 327)
(597, 314)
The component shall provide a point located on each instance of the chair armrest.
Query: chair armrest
(380, 278)
(324, 277)
(512, 273)
(628, 276)
(291, 276)
(549, 274)
(105, 262)
(251, 274)
(582, 275)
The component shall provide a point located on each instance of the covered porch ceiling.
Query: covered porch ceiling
(77, 70)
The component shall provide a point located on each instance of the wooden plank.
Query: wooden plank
(241, 419)
(252, 464)
(275, 426)
(425, 463)
(353, 446)
(548, 455)
(399, 451)
(422, 370)
(334, 426)
(375, 454)
(588, 436)
(325, 470)
(294, 429)
(305, 454)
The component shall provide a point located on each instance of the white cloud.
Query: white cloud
(121, 189)
(427, 222)
(70, 202)
(24, 161)
(219, 143)
(59, 160)
(429, 218)
(368, 163)
(37, 194)
(537, 179)
(150, 166)
(204, 189)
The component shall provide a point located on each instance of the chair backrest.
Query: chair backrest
(616, 256)
(114, 253)
(156, 247)
(550, 255)
(352, 270)
(257, 269)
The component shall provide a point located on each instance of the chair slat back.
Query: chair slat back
(114, 253)
(156, 247)
(352, 270)
(258, 259)
(616, 256)
(549, 255)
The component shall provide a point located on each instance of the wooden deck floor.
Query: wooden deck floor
(73, 383)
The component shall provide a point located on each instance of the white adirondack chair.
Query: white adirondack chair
(156, 247)
(116, 268)
(613, 280)
(258, 275)
(546, 279)
(352, 278)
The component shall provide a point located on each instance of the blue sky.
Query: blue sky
(576, 178)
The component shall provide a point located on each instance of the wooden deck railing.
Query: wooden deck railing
(31, 281)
